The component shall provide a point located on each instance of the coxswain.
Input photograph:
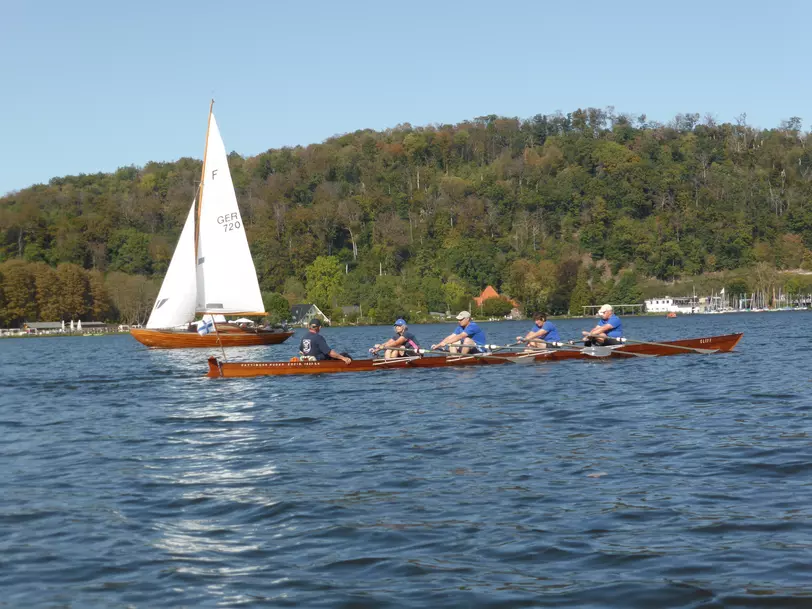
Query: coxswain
(609, 330)
(470, 337)
(313, 345)
(403, 339)
(541, 333)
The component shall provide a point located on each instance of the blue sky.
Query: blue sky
(91, 86)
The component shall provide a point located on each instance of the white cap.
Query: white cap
(604, 309)
(463, 315)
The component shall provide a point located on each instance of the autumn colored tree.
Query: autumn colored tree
(101, 307)
(19, 292)
(75, 297)
(48, 292)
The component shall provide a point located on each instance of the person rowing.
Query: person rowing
(470, 337)
(402, 344)
(313, 345)
(609, 330)
(541, 333)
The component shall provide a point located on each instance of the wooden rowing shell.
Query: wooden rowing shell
(712, 344)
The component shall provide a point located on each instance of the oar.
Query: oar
(395, 360)
(402, 348)
(529, 354)
(491, 350)
(671, 346)
(603, 351)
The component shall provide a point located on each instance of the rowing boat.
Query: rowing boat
(712, 344)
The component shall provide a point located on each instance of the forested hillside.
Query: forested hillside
(556, 211)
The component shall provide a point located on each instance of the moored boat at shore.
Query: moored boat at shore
(628, 350)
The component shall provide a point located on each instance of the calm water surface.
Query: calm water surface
(127, 479)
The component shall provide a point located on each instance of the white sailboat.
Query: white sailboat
(211, 272)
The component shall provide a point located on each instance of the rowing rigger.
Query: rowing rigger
(628, 350)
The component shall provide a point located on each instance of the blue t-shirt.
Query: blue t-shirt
(552, 332)
(473, 331)
(617, 327)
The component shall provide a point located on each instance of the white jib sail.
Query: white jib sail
(175, 305)
(226, 277)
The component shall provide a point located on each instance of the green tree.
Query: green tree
(456, 296)
(496, 307)
(294, 290)
(475, 262)
(737, 287)
(324, 281)
(276, 306)
(581, 295)
(566, 274)
(432, 292)
(388, 305)
(129, 251)
(626, 290)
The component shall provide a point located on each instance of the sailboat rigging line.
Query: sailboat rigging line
(219, 342)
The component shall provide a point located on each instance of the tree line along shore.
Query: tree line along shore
(555, 211)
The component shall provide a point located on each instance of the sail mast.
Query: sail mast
(202, 179)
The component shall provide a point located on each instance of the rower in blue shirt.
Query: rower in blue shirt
(470, 337)
(609, 330)
(543, 332)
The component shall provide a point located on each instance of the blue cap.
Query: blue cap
(400, 322)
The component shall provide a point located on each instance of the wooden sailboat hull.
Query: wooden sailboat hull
(229, 337)
(715, 344)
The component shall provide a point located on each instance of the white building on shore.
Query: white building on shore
(666, 304)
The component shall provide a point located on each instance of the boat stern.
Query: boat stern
(215, 371)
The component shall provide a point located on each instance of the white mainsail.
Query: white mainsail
(175, 305)
(226, 277)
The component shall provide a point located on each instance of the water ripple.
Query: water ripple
(129, 479)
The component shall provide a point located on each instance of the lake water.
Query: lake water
(128, 479)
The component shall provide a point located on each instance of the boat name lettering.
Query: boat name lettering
(702, 341)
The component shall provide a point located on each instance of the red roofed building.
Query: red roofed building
(489, 292)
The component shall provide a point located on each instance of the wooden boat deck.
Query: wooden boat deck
(230, 336)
